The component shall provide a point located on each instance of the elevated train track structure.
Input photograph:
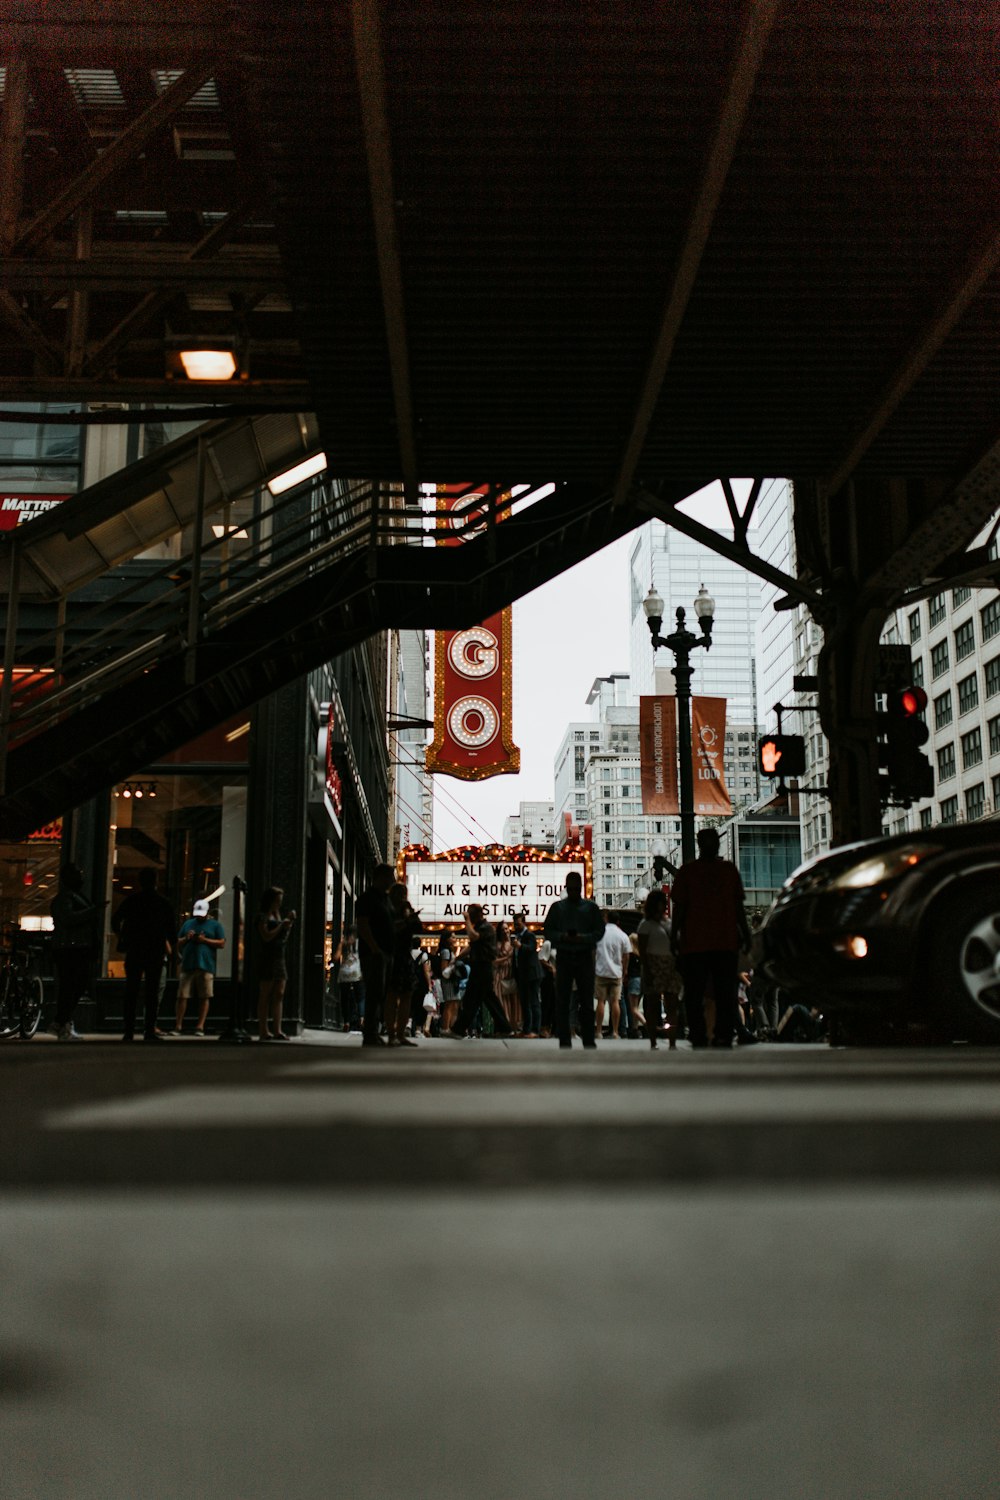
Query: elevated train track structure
(618, 252)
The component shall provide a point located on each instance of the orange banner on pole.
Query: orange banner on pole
(708, 742)
(658, 753)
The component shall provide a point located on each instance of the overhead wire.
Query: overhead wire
(458, 807)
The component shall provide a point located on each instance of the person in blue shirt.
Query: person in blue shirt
(199, 941)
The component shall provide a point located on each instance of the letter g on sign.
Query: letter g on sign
(473, 653)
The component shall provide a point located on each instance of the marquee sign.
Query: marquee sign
(472, 674)
(503, 881)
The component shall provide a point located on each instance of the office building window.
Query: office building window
(936, 610)
(993, 730)
(959, 596)
(946, 762)
(965, 640)
(939, 659)
(972, 748)
(968, 694)
(992, 674)
(915, 625)
(942, 710)
(975, 802)
(917, 672)
(949, 810)
(990, 619)
(995, 790)
(927, 816)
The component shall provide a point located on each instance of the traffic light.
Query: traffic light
(781, 755)
(905, 732)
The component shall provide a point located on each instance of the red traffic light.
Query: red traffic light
(912, 701)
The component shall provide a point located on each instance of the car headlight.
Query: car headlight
(881, 868)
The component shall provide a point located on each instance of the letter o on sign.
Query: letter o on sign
(473, 722)
(473, 653)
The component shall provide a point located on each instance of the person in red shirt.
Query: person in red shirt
(709, 929)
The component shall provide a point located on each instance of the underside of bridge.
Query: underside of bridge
(616, 251)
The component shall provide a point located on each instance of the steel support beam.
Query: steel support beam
(735, 102)
(78, 313)
(12, 135)
(157, 301)
(140, 268)
(45, 351)
(294, 393)
(127, 145)
(372, 89)
(735, 551)
(947, 530)
(915, 359)
(847, 663)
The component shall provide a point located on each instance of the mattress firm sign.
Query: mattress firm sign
(440, 890)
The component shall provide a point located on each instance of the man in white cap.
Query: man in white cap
(199, 940)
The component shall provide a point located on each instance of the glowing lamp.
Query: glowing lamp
(208, 364)
(297, 474)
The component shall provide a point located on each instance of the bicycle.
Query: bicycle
(21, 993)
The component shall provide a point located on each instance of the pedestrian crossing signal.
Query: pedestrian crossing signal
(781, 755)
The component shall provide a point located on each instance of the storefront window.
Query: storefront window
(29, 877)
(36, 456)
(191, 829)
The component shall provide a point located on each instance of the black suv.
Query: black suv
(894, 936)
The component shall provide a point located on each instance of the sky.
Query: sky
(565, 634)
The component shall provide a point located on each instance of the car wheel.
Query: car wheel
(964, 972)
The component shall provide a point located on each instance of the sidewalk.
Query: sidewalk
(484, 1271)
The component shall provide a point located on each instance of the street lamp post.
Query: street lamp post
(682, 642)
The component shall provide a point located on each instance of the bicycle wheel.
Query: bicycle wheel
(32, 996)
(8, 1004)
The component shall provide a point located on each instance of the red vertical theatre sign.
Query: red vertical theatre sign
(472, 672)
(658, 755)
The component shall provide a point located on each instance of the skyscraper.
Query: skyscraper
(676, 566)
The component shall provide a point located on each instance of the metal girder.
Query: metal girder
(178, 29)
(735, 551)
(12, 120)
(60, 114)
(294, 393)
(735, 102)
(78, 312)
(370, 68)
(946, 531)
(44, 350)
(141, 269)
(915, 359)
(131, 141)
(741, 519)
(157, 301)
